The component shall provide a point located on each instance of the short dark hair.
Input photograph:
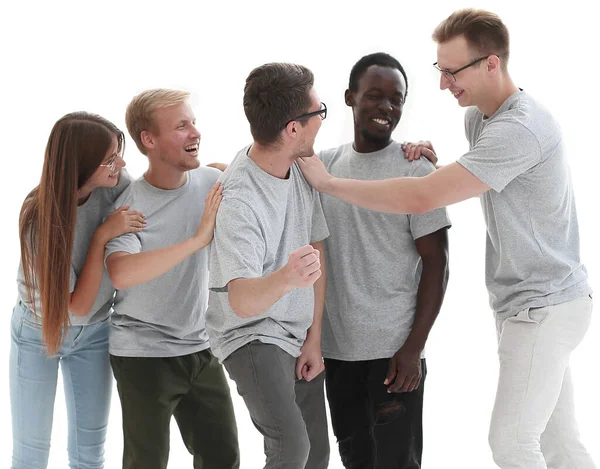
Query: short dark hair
(378, 58)
(274, 94)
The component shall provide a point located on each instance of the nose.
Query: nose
(444, 82)
(195, 132)
(121, 162)
(385, 105)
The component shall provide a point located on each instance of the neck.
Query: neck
(363, 144)
(83, 194)
(496, 97)
(276, 162)
(164, 177)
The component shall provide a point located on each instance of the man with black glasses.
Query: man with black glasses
(267, 287)
(517, 164)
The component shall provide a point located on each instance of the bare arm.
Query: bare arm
(404, 371)
(250, 297)
(88, 283)
(128, 270)
(310, 361)
(253, 296)
(433, 249)
(320, 287)
(445, 186)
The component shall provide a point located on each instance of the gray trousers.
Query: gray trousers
(288, 412)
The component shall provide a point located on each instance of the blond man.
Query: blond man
(159, 348)
(517, 165)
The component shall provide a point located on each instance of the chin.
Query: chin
(189, 165)
(109, 182)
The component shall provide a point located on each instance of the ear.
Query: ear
(147, 140)
(291, 129)
(349, 98)
(493, 64)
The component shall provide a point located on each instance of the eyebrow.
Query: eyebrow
(381, 91)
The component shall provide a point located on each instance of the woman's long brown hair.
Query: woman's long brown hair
(77, 145)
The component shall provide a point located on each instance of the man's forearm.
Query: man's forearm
(250, 297)
(397, 195)
(128, 270)
(320, 288)
(430, 295)
(409, 195)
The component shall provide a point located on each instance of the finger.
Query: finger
(217, 200)
(135, 213)
(216, 188)
(310, 269)
(314, 276)
(303, 251)
(391, 373)
(300, 363)
(414, 385)
(398, 383)
(430, 155)
(310, 373)
(310, 259)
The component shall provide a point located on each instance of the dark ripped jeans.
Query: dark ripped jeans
(374, 429)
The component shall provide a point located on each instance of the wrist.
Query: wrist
(413, 345)
(100, 237)
(313, 335)
(328, 185)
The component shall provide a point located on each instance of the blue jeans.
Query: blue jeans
(87, 379)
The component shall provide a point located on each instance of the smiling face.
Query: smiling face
(107, 174)
(377, 104)
(469, 88)
(174, 139)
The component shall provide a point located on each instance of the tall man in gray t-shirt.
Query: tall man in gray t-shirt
(159, 348)
(387, 275)
(266, 286)
(538, 288)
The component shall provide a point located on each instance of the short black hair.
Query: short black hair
(378, 58)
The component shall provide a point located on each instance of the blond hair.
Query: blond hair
(484, 32)
(139, 114)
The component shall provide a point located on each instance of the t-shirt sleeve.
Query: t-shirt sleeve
(319, 230)
(128, 242)
(238, 247)
(504, 150)
(430, 222)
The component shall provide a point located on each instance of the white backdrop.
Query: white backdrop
(59, 57)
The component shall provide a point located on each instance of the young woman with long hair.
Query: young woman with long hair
(65, 295)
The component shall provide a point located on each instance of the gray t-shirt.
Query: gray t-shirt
(165, 316)
(532, 252)
(373, 267)
(261, 220)
(90, 216)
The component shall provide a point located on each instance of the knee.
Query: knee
(510, 448)
(294, 451)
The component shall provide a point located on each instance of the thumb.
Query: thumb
(122, 208)
(309, 373)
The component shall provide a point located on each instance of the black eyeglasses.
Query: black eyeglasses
(321, 112)
(448, 74)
